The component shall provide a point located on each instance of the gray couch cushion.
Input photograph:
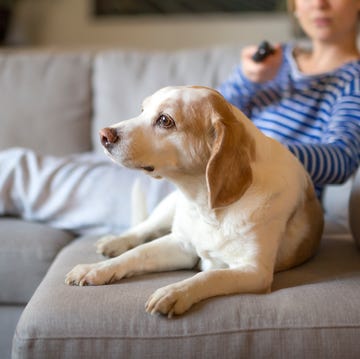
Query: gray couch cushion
(26, 252)
(354, 209)
(47, 95)
(313, 312)
(9, 316)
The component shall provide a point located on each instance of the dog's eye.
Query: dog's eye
(165, 122)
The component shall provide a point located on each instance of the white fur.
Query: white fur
(138, 204)
(238, 246)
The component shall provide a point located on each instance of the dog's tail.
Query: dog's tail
(139, 211)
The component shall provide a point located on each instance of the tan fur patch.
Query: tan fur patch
(310, 243)
(228, 172)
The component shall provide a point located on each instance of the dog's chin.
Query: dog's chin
(148, 169)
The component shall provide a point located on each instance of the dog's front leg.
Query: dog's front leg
(165, 253)
(177, 298)
(156, 225)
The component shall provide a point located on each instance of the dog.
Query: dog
(245, 206)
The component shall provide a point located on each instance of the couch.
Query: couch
(54, 102)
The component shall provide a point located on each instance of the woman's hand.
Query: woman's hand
(261, 71)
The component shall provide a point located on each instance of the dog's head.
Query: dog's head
(183, 132)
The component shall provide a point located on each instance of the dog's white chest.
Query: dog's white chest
(204, 235)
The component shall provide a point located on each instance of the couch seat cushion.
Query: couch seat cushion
(26, 252)
(313, 312)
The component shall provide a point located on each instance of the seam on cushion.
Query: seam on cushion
(17, 336)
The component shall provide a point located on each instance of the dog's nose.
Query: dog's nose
(108, 136)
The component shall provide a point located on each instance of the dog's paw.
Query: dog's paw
(173, 299)
(113, 246)
(90, 274)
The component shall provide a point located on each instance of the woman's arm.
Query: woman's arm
(238, 90)
(249, 77)
(337, 157)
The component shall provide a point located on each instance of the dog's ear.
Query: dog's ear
(228, 172)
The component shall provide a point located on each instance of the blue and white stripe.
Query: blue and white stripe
(317, 117)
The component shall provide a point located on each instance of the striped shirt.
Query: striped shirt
(316, 116)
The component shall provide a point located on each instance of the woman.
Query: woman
(309, 99)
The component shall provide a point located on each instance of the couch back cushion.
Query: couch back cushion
(45, 101)
(122, 79)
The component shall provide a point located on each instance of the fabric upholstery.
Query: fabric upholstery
(336, 205)
(9, 316)
(85, 194)
(45, 101)
(313, 312)
(354, 209)
(26, 252)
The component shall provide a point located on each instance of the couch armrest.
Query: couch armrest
(354, 209)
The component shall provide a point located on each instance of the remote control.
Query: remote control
(263, 51)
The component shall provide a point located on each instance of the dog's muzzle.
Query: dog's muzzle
(108, 137)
